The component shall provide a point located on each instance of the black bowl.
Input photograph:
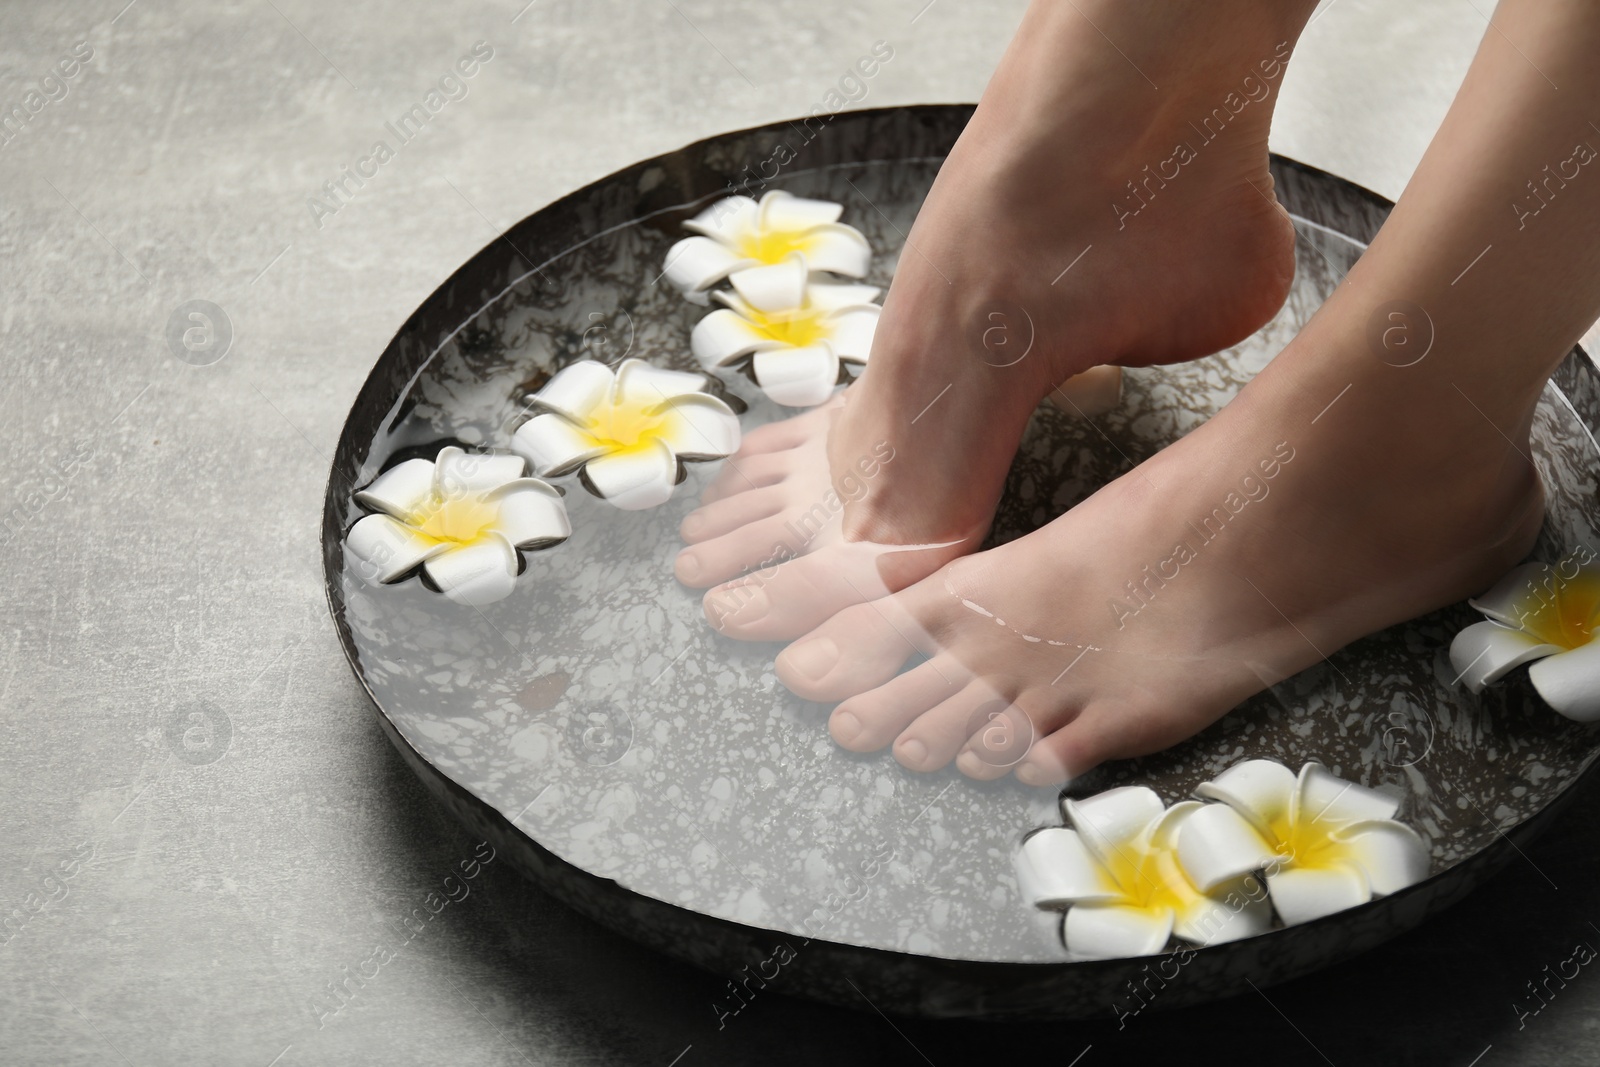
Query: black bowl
(654, 778)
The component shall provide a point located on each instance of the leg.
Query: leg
(1120, 141)
(1148, 611)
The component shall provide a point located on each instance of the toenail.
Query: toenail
(913, 752)
(688, 565)
(691, 525)
(814, 658)
(743, 604)
(969, 764)
(845, 726)
(754, 605)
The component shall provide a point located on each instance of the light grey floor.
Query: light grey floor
(160, 540)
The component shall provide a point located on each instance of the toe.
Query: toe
(1102, 731)
(728, 515)
(935, 738)
(777, 436)
(872, 720)
(1000, 736)
(763, 543)
(794, 597)
(741, 474)
(1056, 759)
(860, 648)
(974, 766)
(1048, 762)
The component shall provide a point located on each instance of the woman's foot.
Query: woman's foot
(1083, 218)
(1249, 550)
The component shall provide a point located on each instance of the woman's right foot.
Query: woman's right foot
(1084, 217)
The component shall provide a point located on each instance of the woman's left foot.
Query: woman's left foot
(1249, 550)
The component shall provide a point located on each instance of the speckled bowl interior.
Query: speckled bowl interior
(655, 775)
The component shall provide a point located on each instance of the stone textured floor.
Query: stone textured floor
(202, 826)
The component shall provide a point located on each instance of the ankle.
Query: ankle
(1435, 374)
(1067, 60)
(1154, 92)
(1408, 441)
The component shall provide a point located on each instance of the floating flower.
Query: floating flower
(626, 432)
(1326, 844)
(462, 516)
(736, 238)
(1538, 612)
(792, 353)
(1119, 876)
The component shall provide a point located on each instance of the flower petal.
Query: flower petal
(839, 249)
(636, 479)
(477, 573)
(1390, 854)
(531, 513)
(1163, 832)
(853, 331)
(643, 383)
(778, 287)
(1216, 844)
(1512, 595)
(785, 211)
(552, 445)
(1114, 931)
(1301, 894)
(402, 490)
(832, 296)
(458, 473)
(1110, 819)
(727, 219)
(1227, 911)
(798, 377)
(1327, 800)
(731, 299)
(724, 337)
(1261, 790)
(1236, 910)
(695, 264)
(1485, 652)
(578, 389)
(1570, 682)
(1057, 869)
(699, 427)
(387, 548)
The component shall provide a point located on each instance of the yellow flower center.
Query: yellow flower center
(458, 519)
(799, 328)
(773, 246)
(624, 426)
(1150, 878)
(1307, 844)
(1562, 611)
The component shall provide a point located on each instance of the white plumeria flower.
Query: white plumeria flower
(792, 353)
(738, 239)
(1119, 876)
(462, 516)
(1326, 844)
(1538, 613)
(626, 431)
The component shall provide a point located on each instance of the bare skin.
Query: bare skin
(1053, 214)
(1414, 491)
